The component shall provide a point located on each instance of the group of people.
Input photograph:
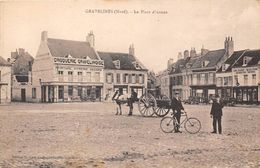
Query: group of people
(215, 113)
(177, 108)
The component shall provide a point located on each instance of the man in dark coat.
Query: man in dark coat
(216, 113)
(131, 100)
(176, 107)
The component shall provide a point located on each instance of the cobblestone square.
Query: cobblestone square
(91, 135)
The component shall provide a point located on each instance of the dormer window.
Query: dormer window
(205, 63)
(136, 64)
(246, 60)
(225, 67)
(117, 64)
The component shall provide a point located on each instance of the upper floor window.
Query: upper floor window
(0, 75)
(245, 79)
(70, 72)
(109, 78)
(60, 72)
(97, 77)
(79, 73)
(253, 79)
(118, 79)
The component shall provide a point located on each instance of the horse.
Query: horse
(120, 99)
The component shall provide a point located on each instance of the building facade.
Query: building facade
(5, 81)
(66, 70)
(21, 75)
(125, 71)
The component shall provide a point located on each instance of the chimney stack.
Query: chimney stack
(91, 39)
(192, 52)
(180, 55)
(44, 36)
(186, 54)
(21, 51)
(169, 63)
(229, 45)
(132, 50)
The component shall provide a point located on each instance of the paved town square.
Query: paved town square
(91, 135)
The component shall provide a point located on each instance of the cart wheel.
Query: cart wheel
(192, 125)
(167, 124)
(147, 105)
(161, 112)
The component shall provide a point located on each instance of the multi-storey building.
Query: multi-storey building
(224, 76)
(204, 70)
(125, 71)
(5, 81)
(66, 70)
(21, 75)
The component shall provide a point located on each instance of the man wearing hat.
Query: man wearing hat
(176, 107)
(216, 114)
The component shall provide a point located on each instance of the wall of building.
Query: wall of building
(111, 84)
(5, 84)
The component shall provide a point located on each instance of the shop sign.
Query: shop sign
(245, 70)
(75, 61)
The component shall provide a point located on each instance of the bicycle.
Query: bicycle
(192, 125)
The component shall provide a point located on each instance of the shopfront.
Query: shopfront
(246, 95)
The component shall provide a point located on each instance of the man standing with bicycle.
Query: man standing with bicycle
(216, 113)
(176, 107)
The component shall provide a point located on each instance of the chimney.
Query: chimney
(21, 51)
(229, 45)
(91, 39)
(14, 55)
(203, 50)
(169, 63)
(132, 50)
(44, 36)
(192, 52)
(179, 55)
(186, 54)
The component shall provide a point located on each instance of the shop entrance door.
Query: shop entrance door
(23, 95)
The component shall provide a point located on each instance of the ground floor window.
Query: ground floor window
(33, 93)
(61, 92)
(70, 90)
(246, 94)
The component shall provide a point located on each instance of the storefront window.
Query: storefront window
(61, 92)
(70, 90)
(79, 90)
(33, 93)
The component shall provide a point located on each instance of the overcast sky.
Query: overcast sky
(156, 37)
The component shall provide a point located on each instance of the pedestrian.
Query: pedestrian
(216, 114)
(176, 107)
(131, 100)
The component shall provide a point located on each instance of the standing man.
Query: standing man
(131, 100)
(216, 113)
(176, 105)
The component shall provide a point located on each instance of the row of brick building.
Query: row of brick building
(66, 70)
(223, 72)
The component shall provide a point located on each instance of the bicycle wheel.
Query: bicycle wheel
(167, 124)
(192, 125)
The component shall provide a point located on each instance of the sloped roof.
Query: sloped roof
(179, 65)
(77, 49)
(126, 60)
(3, 62)
(232, 59)
(213, 57)
(21, 64)
(254, 54)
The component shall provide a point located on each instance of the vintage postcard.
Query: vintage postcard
(129, 83)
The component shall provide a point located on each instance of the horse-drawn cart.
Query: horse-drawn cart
(149, 105)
